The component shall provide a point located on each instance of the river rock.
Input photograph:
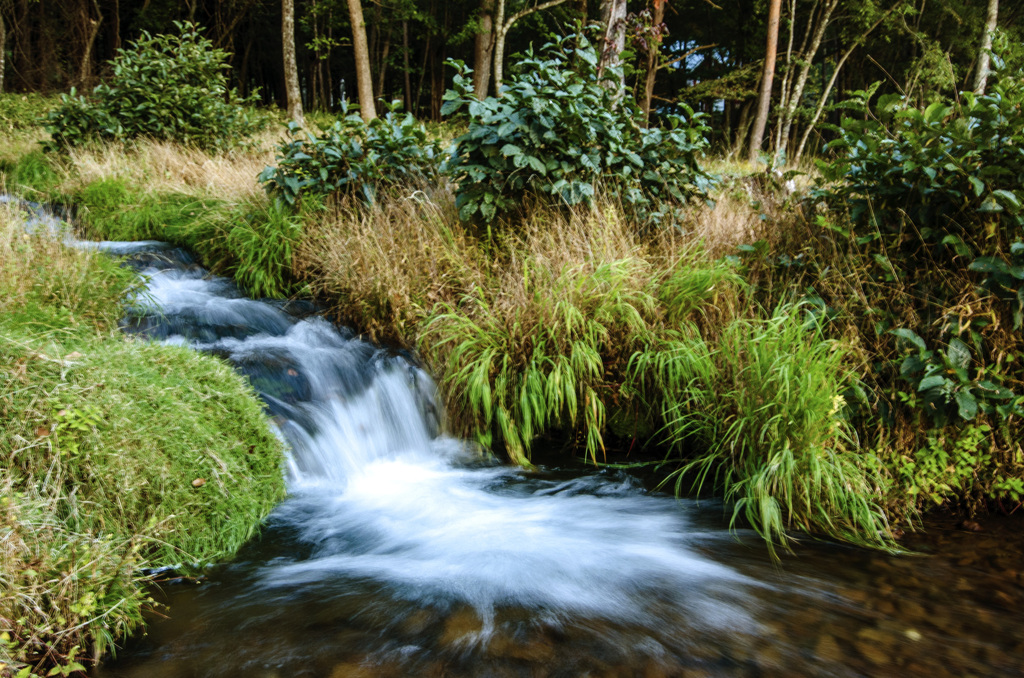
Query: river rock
(459, 628)
(874, 645)
(828, 648)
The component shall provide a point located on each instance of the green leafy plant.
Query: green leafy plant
(351, 155)
(165, 87)
(558, 132)
(941, 171)
(1005, 279)
(948, 379)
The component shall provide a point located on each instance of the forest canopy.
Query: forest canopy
(708, 54)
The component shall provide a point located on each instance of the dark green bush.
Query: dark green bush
(165, 87)
(942, 172)
(936, 202)
(558, 131)
(352, 155)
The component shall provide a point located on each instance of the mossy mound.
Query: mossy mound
(115, 454)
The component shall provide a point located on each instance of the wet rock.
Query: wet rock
(461, 628)
(874, 645)
(504, 646)
(912, 609)
(418, 622)
(353, 670)
(827, 648)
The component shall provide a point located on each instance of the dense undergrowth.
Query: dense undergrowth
(103, 440)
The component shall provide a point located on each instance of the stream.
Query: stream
(400, 552)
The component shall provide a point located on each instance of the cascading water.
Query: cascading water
(379, 499)
(400, 552)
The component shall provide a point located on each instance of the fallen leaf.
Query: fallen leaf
(74, 355)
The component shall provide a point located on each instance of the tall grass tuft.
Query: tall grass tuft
(764, 407)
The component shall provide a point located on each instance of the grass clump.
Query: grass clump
(765, 411)
(115, 454)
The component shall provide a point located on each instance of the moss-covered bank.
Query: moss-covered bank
(115, 455)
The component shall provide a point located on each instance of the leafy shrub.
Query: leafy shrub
(352, 155)
(557, 131)
(165, 87)
(943, 170)
(935, 205)
(1005, 279)
(948, 379)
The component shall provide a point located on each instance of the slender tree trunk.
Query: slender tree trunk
(482, 49)
(293, 94)
(364, 78)
(765, 99)
(653, 56)
(405, 60)
(981, 74)
(3, 51)
(423, 73)
(117, 25)
(613, 16)
(805, 70)
(243, 70)
(502, 27)
(742, 127)
(382, 75)
(787, 74)
(827, 89)
(94, 28)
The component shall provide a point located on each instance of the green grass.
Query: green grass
(34, 175)
(102, 438)
(763, 407)
(251, 241)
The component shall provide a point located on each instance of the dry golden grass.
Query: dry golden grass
(731, 222)
(385, 267)
(169, 167)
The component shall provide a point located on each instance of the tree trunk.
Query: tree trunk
(405, 59)
(653, 54)
(382, 75)
(787, 73)
(502, 27)
(827, 88)
(613, 16)
(805, 71)
(94, 28)
(981, 75)
(765, 99)
(482, 49)
(742, 127)
(293, 95)
(3, 51)
(364, 78)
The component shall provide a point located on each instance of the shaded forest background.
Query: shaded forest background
(709, 53)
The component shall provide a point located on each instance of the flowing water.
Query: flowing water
(400, 552)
